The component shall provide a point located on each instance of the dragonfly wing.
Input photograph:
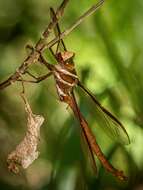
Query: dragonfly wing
(89, 152)
(91, 140)
(112, 126)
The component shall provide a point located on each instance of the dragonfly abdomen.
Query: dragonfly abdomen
(65, 81)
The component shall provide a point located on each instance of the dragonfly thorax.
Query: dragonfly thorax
(65, 81)
(66, 59)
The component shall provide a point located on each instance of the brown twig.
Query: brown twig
(75, 24)
(42, 44)
(34, 55)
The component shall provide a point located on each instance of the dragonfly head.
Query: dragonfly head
(66, 59)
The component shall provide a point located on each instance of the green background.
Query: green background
(108, 48)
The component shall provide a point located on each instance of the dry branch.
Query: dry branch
(34, 55)
(42, 43)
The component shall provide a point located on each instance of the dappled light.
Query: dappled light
(77, 143)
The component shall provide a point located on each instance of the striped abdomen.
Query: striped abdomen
(65, 81)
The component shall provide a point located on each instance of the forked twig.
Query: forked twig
(26, 151)
(35, 54)
(42, 44)
(75, 24)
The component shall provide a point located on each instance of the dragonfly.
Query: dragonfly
(66, 79)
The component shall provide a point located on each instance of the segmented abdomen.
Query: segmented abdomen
(65, 81)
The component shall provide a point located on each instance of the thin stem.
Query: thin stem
(59, 14)
(42, 45)
(35, 54)
(77, 22)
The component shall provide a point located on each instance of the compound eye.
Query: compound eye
(67, 56)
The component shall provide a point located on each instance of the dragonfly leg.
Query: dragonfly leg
(57, 30)
(29, 47)
(52, 52)
(58, 46)
(30, 74)
(37, 79)
(43, 61)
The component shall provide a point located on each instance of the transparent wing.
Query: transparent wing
(60, 47)
(86, 148)
(91, 139)
(89, 152)
(111, 125)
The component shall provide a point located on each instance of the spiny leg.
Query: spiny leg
(30, 74)
(41, 78)
(57, 30)
(37, 79)
(52, 52)
(41, 60)
(45, 63)
(29, 47)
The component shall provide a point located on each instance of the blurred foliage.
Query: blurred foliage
(108, 47)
